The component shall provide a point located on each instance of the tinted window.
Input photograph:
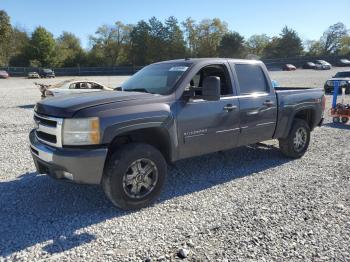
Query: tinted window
(343, 74)
(251, 79)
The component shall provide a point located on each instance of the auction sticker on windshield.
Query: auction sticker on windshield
(179, 68)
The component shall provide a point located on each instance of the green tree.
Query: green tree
(70, 52)
(256, 44)
(5, 38)
(110, 41)
(19, 43)
(271, 50)
(232, 45)
(345, 46)
(174, 37)
(331, 38)
(95, 57)
(140, 42)
(288, 44)
(191, 36)
(210, 33)
(42, 48)
(314, 48)
(157, 46)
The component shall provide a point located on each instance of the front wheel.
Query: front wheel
(297, 142)
(134, 176)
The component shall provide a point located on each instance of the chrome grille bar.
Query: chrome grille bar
(50, 130)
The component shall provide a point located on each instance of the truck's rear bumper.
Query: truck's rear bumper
(77, 165)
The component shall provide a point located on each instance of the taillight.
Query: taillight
(323, 103)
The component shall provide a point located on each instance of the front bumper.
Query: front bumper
(78, 165)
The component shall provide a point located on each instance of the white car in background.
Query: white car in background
(33, 75)
(71, 87)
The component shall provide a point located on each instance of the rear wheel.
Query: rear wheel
(134, 176)
(297, 142)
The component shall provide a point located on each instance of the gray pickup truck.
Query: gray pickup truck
(168, 111)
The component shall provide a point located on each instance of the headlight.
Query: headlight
(329, 83)
(81, 131)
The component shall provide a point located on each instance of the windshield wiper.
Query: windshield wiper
(143, 90)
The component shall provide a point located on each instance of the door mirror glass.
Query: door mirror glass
(211, 88)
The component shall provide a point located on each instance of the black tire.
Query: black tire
(344, 119)
(288, 146)
(336, 119)
(116, 172)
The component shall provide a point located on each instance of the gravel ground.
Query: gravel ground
(246, 204)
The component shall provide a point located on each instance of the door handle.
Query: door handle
(230, 107)
(268, 103)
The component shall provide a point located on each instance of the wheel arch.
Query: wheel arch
(308, 114)
(154, 135)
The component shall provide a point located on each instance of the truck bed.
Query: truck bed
(282, 88)
(294, 99)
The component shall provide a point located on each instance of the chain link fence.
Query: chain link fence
(76, 71)
(272, 64)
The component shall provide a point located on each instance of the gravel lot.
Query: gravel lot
(246, 204)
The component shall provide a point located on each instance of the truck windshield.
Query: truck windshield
(156, 78)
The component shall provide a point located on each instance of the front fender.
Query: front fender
(133, 118)
(120, 128)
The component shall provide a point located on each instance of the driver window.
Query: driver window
(195, 85)
(84, 85)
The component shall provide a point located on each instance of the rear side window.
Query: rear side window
(251, 79)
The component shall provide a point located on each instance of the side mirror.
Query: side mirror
(211, 88)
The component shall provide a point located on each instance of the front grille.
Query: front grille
(45, 121)
(48, 129)
(47, 137)
(341, 84)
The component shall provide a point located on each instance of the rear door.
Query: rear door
(258, 105)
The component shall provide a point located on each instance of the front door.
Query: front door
(208, 126)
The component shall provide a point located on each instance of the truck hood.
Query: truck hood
(68, 105)
(66, 91)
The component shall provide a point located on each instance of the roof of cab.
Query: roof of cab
(213, 59)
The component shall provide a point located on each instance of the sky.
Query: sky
(310, 18)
